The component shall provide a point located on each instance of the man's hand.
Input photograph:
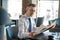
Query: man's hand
(32, 34)
(53, 24)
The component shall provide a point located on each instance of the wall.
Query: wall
(0, 3)
(59, 10)
(49, 0)
(34, 1)
(24, 3)
(4, 4)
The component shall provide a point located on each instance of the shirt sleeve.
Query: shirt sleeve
(22, 33)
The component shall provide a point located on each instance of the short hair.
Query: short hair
(33, 5)
(28, 5)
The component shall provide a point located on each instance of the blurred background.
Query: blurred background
(49, 9)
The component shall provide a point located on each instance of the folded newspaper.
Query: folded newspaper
(43, 28)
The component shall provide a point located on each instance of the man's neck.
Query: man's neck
(27, 14)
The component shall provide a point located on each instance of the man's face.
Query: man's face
(31, 10)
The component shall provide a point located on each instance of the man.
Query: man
(26, 23)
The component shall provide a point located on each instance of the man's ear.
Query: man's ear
(26, 9)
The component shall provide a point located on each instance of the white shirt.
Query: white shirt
(23, 26)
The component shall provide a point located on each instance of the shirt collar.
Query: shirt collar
(27, 16)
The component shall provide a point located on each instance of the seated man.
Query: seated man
(26, 23)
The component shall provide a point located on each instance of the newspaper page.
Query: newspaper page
(43, 28)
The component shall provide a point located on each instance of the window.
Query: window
(48, 10)
(13, 7)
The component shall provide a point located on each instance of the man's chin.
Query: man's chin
(31, 15)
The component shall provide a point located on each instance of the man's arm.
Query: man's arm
(21, 32)
(43, 28)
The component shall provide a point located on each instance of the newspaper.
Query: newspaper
(43, 28)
